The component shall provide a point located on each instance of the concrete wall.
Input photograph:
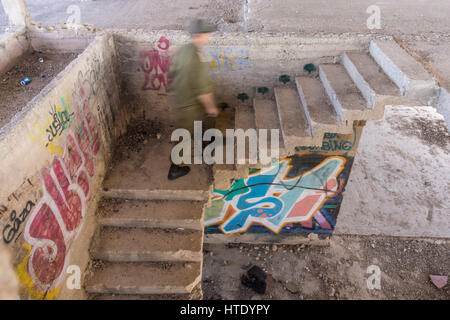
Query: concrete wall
(238, 63)
(12, 47)
(269, 212)
(50, 183)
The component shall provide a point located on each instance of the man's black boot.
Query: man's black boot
(176, 171)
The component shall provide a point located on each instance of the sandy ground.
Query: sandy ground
(338, 271)
(13, 96)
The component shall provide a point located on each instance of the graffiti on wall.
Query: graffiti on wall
(229, 59)
(155, 64)
(52, 219)
(300, 193)
(332, 143)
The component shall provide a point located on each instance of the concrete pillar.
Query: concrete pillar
(17, 12)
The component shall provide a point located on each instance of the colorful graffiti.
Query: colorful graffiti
(55, 221)
(300, 193)
(229, 59)
(155, 63)
(332, 143)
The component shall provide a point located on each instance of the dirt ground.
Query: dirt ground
(337, 272)
(13, 96)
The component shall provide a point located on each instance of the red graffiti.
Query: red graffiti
(156, 64)
(57, 218)
(47, 261)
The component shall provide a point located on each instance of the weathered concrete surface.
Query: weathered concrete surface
(238, 63)
(41, 172)
(374, 84)
(9, 285)
(144, 278)
(164, 214)
(12, 47)
(322, 117)
(344, 95)
(146, 244)
(434, 54)
(16, 11)
(407, 73)
(401, 188)
(307, 16)
(147, 170)
(311, 16)
(293, 122)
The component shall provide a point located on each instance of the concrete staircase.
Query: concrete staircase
(149, 239)
(148, 243)
(358, 88)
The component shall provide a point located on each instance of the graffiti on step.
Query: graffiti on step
(229, 59)
(299, 194)
(155, 64)
(332, 143)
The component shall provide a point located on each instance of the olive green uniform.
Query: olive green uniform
(190, 79)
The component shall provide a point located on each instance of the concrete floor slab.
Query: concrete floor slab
(400, 178)
(148, 169)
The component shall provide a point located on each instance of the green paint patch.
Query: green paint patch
(284, 78)
(237, 188)
(309, 68)
(213, 211)
(242, 96)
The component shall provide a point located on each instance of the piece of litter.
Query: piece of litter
(439, 281)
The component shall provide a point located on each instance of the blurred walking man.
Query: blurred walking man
(192, 88)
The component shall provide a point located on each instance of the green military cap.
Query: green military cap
(201, 26)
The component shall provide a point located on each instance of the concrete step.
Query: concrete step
(266, 117)
(143, 176)
(407, 73)
(245, 119)
(376, 87)
(293, 121)
(143, 278)
(344, 95)
(319, 111)
(146, 244)
(196, 294)
(150, 214)
(225, 120)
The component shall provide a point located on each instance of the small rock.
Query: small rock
(274, 248)
(439, 281)
(158, 136)
(292, 287)
(332, 292)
